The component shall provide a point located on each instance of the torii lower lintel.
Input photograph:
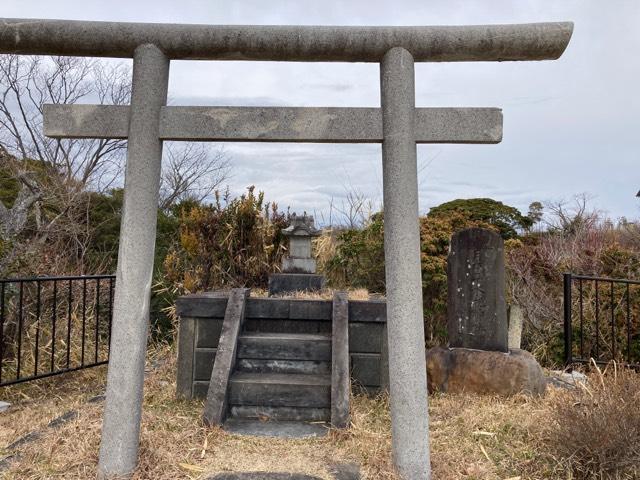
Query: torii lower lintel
(275, 124)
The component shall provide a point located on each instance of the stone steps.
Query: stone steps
(307, 354)
(280, 390)
(281, 383)
(266, 413)
(308, 367)
(283, 429)
(284, 346)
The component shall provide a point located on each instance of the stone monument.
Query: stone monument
(398, 125)
(478, 358)
(298, 265)
(476, 308)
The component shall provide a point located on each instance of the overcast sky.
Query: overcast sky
(570, 126)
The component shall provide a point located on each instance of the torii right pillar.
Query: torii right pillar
(405, 321)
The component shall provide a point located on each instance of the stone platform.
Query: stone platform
(281, 283)
(279, 429)
(338, 471)
(201, 320)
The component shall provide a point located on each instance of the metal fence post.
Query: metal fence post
(568, 335)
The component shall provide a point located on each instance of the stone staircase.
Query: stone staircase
(284, 378)
(266, 381)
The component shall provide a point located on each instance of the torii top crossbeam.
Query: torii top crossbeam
(398, 125)
(535, 41)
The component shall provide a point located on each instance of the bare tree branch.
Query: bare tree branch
(13, 220)
(355, 209)
(26, 83)
(192, 170)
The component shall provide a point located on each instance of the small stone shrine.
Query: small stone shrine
(478, 358)
(298, 266)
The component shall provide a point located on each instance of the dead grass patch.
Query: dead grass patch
(324, 294)
(472, 437)
(595, 430)
(174, 443)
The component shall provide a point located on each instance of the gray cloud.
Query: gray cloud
(570, 125)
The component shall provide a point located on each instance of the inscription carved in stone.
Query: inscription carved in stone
(477, 311)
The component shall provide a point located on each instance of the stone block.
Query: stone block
(309, 309)
(300, 247)
(203, 364)
(368, 311)
(208, 332)
(225, 358)
(340, 379)
(203, 305)
(365, 337)
(457, 370)
(298, 265)
(516, 321)
(281, 283)
(278, 325)
(365, 369)
(267, 308)
(200, 389)
(186, 347)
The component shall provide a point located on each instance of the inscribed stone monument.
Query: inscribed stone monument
(477, 311)
(479, 359)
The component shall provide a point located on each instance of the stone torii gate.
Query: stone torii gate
(398, 125)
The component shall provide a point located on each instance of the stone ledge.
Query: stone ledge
(457, 370)
(282, 283)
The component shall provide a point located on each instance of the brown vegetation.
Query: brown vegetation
(580, 241)
(234, 242)
(595, 431)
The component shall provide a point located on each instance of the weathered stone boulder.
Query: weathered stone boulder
(457, 370)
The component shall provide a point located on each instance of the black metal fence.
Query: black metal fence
(601, 320)
(53, 325)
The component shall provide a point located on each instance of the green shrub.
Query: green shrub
(506, 219)
(358, 257)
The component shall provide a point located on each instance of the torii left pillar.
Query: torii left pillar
(405, 323)
(120, 435)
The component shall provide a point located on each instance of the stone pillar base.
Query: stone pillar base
(281, 283)
(457, 370)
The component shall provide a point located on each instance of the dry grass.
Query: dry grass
(596, 429)
(324, 294)
(473, 437)
(174, 443)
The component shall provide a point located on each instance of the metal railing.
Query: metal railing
(53, 325)
(601, 320)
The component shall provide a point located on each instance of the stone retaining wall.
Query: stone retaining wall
(201, 318)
